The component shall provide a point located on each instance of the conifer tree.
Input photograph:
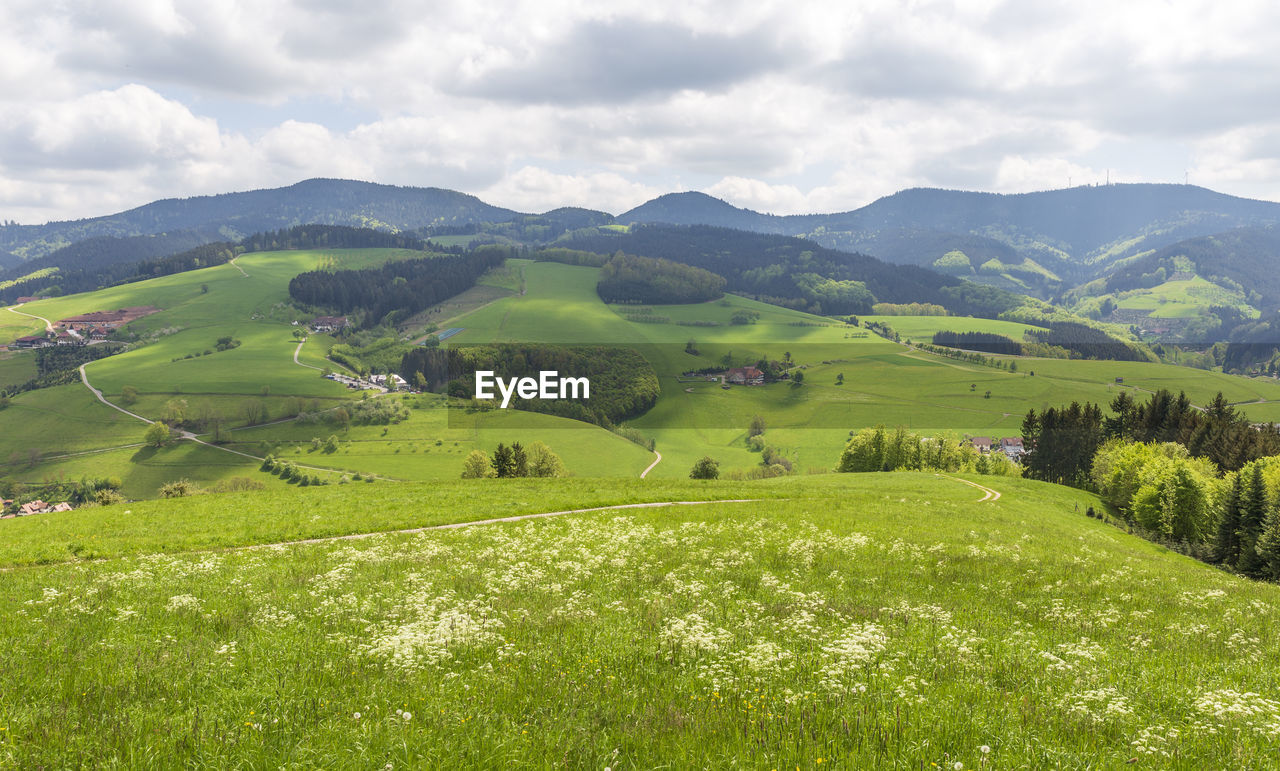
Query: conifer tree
(1226, 548)
(1268, 547)
(1253, 511)
(519, 461)
(503, 462)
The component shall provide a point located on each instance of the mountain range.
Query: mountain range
(1052, 245)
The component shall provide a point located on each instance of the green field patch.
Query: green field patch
(1014, 633)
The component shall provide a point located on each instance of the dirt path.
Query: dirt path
(297, 351)
(656, 461)
(475, 522)
(48, 325)
(991, 495)
(192, 437)
(232, 263)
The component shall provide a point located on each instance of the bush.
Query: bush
(180, 489)
(705, 468)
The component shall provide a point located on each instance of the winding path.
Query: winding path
(84, 378)
(991, 495)
(48, 325)
(474, 522)
(656, 461)
(297, 351)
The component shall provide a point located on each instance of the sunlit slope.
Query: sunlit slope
(883, 382)
(862, 621)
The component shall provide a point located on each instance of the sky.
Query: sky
(782, 106)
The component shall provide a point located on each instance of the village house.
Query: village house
(744, 376)
(32, 341)
(1012, 447)
(40, 507)
(981, 443)
(325, 324)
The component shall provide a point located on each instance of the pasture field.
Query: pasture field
(14, 325)
(431, 444)
(809, 628)
(1183, 298)
(884, 382)
(143, 470)
(60, 420)
(921, 328)
(16, 368)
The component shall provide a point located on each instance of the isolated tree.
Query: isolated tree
(157, 434)
(476, 465)
(331, 444)
(840, 379)
(128, 395)
(757, 426)
(705, 468)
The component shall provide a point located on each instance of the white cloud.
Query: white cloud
(530, 188)
(780, 106)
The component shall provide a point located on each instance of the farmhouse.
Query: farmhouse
(107, 319)
(744, 376)
(329, 323)
(40, 507)
(981, 443)
(32, 341)
(1012, 446)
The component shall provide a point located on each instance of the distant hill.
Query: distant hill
(797, 273)
(1074, 234)
(232, 216)
(701, 209)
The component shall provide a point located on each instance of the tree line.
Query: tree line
(623, 384)
(395, 290)
(987, 342)
(627, 278)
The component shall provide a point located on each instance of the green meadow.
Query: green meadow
(845, 621)
(852, 379)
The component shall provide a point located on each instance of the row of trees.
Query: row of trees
(1232, 520)
(1061, 441)
(514, 461)
(878, 449)
(988, 342)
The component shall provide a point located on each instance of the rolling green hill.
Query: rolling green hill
(845, 621)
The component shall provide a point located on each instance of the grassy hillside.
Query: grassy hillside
(884, 382)
(813, 628)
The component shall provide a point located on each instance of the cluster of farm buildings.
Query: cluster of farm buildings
(34, 507)
(1009, 445)
(85, 328)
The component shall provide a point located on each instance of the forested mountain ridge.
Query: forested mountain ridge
(231, 216)
(1068, 236)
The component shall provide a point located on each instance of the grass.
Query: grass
(815, 628)
(432, 443)
(16, 368)
(921, 328)
(883, 382)
(14, 325)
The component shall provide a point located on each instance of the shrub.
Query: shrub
(705, 468)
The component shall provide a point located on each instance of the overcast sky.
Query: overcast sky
(787, 106)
